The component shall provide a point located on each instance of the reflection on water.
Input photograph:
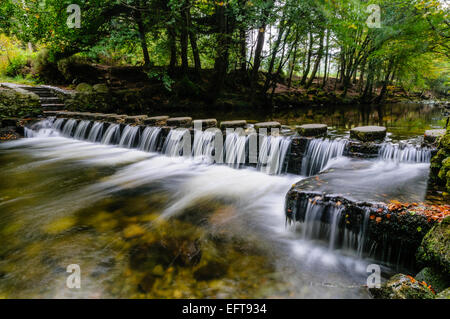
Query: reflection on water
(403, 120)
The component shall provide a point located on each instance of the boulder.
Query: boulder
(205, 123)
(233, 124)
(434, 250)
(402, 287)
(179, 121)
(368, 133)
(310, 130)
(156, 120)
(432, 136)
(434, 277)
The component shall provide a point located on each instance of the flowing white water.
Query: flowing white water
(272, 154)
(404, 153)
(130, 136)
(95, 135)
(235, 154)
(112, 134)
(80, 131)
(150, 139)
(203, 148)
(68, 128)
(319, 152)
(174, 144)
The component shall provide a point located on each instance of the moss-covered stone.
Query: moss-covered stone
(434, 277)
(434, 250)
(444, 294)
(402, 287)
(84, 88)
(440, 163)
(18, 103)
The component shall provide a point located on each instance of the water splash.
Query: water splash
(319, 152)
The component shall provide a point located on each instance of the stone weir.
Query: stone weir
(308, 152)
(390, 233)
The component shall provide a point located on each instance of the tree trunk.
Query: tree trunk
(325, 73)
(173, 49)
(308, 61)
(142, 36)
(193, 39)
(317, 63)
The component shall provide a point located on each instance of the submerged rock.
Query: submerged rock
(368, 133)
(402, 287)
(212, 270)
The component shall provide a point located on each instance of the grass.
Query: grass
(19, 80)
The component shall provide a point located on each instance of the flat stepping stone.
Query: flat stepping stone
(156, 120)
(267, 125)
(179, 121)
(310, 130)
(136, 119)
(368, 133)
(233, 124)
(431, 136)
(204, 123)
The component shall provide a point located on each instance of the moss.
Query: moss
(440, 163)
(444, 294)
(434, 250)
(434, 277)
(402, 287)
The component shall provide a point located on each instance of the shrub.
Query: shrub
(19, 65)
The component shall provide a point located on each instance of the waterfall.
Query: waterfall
(57, 125)
(130, 136)
(150, 139)
(272, 154)
(68, 127)
(173, 145)
(319, 152)
(404, 153)
(203, 146)
(95, 134)
(235, 149)
(327, 223)
(112, 134)
(80, 131)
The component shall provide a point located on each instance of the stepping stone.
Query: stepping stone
(50, 113)
(310, 130)
(179, 121)
(156, 120)
(233, 124)
(267, 125)
(205, 123)
(137, 119)
(432, 136)
(368, 133)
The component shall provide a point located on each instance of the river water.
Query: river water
(142, 224)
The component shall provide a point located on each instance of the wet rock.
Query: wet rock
(402, 287)
(444, 294)
(360, 149)
(312, 130)
(156, 120)
(435, 247)
(432, 136)
(368, 133)
(233, 124)
(435, 278)
(180, 121)
(144, 257)
(205, 123)
(212, 270)
(267, 125)
(132, 231)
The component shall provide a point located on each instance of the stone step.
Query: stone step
(311, 130)
(50, 100)
(368, 133)
(60, 105)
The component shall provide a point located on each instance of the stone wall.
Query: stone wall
(18, 103)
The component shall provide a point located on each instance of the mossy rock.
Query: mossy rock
(434, 250)
(84, 88)
(402, 287)
(18, 103)
(368, 133)
(101, 88)
(312, 130)
(444, 294)
(433, 277)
